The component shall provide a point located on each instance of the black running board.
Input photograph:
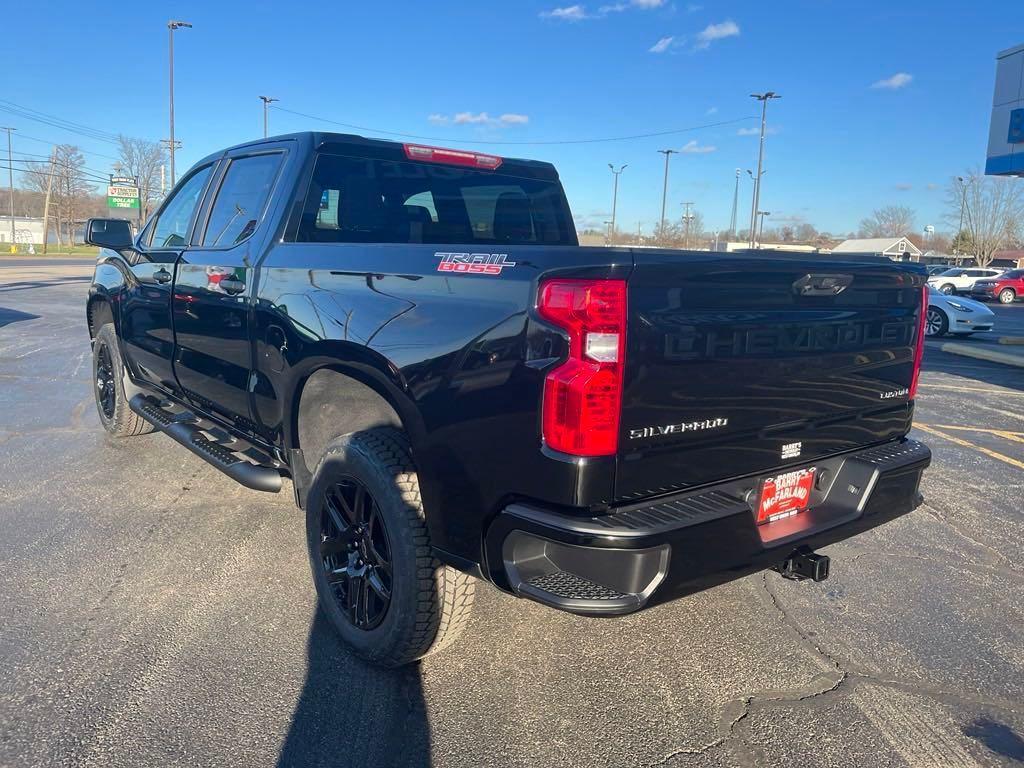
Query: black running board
(183, 429)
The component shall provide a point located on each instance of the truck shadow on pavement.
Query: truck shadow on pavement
(350, 713)
(8, 316)
(973, 371)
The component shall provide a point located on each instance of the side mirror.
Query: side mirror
(115, 234)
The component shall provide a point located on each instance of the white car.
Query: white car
(956, 315)
(961, 279)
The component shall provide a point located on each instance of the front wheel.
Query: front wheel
(947, 288)
(108, 387)
(376, 576)
(936, 323)
(1007, 296)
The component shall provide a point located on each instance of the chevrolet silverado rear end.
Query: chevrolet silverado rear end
(724, 413)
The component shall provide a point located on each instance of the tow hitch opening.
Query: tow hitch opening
(804, 563)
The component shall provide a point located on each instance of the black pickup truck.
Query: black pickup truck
(458, 391)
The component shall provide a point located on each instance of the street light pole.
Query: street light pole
(735, 205)
(615, 194)
(762, 214)
(686, 229)
(10, 183)
(664, 189)
(266, 102)
(171, 26)
(763, 98)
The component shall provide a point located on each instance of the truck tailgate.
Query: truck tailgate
(741, 364)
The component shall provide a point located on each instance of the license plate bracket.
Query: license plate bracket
(784, 495)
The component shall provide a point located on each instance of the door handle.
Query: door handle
(162, 276)
(232, 286)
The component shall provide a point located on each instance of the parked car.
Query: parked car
(938, 269)
(1006, 288)
(459, 392)
(956, 315)
(961, 279)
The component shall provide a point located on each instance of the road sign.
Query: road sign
(120, 195)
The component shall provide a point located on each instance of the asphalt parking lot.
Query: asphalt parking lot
(155, 614)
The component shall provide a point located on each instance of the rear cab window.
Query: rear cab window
(355, 199)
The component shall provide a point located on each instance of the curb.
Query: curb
(1011, 340)
(982, 353)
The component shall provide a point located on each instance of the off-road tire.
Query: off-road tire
(120, 421)
(430, 603)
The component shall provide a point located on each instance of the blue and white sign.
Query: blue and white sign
(1006, 132)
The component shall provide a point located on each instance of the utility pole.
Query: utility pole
(764, 99)
(46, 202)
(615, 194)
(686, 225)
(735, 204)
(171, 26)
(10, 183)
(266, 103)
(163, 183)
(664, 189)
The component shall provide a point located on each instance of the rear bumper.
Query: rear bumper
(644, 554)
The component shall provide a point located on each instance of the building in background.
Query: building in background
(895, 248)
(26, 230)
(1006, 131)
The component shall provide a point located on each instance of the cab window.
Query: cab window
(175, 218)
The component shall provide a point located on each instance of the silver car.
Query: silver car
(956, 315)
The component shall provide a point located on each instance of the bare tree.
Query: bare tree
(891, 221)
(142, 159)
(806, 233)
(993, 211)
(71, 190)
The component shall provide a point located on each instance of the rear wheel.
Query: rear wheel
(947, 288)
(376, 576)
(1007, 296)
(108, 387)
(936, 323)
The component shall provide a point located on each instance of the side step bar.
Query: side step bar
(182, 428)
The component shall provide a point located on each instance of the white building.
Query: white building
(896, 248)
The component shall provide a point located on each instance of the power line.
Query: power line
(83, 151)
(58, 122)
(519, 143)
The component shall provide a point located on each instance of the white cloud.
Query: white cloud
(479, 118)
(756, 131)
(714, 32)
(693, 8)
(662, 45)
(712, 111)
(904, 187)
(693, 148)
(568, 13)
(899, 80)
(648, 3)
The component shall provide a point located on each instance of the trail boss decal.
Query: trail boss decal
(893, 394)
(474, 263)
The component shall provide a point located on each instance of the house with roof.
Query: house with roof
(896, 248)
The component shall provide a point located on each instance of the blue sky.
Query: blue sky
(540, 72)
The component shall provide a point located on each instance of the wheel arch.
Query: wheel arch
(99, 310)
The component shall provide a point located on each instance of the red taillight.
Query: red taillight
(919, 342)
(451, 157)
(583, 395)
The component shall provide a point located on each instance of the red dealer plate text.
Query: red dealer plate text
(785, 495)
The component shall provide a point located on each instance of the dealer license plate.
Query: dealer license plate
(785, 495)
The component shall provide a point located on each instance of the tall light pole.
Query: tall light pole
(764, 99)
(171, 26)
(10, 184)
(687, 217)
(762, 214)
(266, 103)
(664, 189)
(963, 205)
(615, 194)
(735, 205)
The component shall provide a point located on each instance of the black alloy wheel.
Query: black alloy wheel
(355, 553)
(106, 395)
